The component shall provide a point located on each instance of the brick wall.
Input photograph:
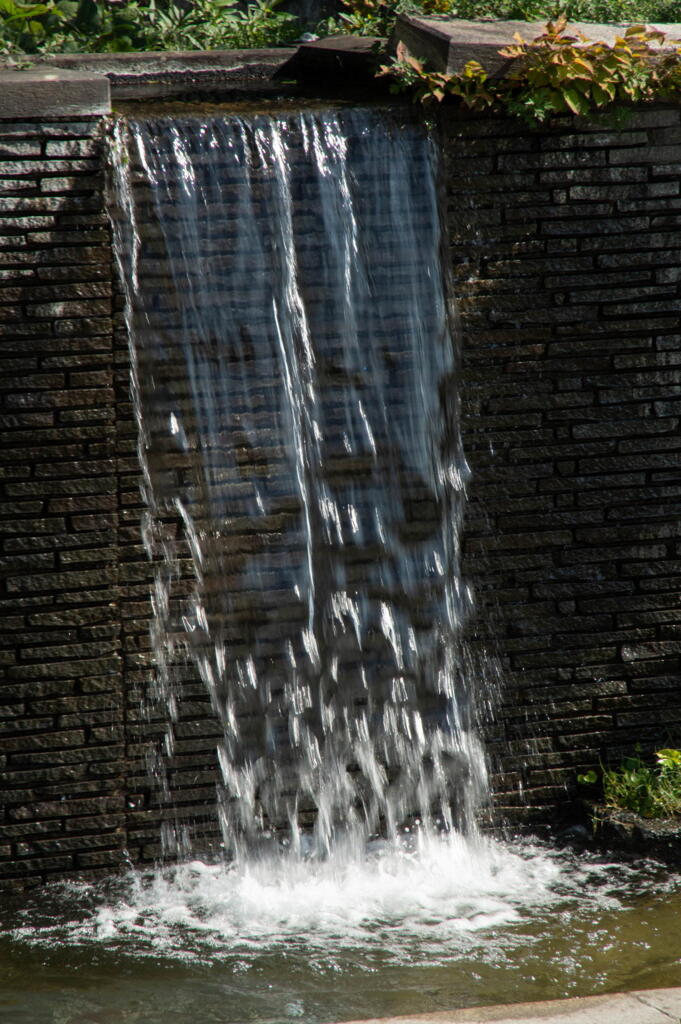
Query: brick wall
(566, 246)
(61, 717)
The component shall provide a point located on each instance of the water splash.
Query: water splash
(456, 924)
(294, 385)
(429, 900)
(433, 890)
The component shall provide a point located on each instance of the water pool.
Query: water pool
(446, 925)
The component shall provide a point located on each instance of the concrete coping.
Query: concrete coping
(647, 1006)
(448, 44)
(153, 62)
(52, 92)
(80, 84)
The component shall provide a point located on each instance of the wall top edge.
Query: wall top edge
(152, 62)
(63, 85)
(447, 44)
(44, 93)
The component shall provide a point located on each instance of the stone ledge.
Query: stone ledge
(165, 61)
(624, 831)
(646, 1006)
(41, 93)
(141, 76)
(180, 73)
(448, 44)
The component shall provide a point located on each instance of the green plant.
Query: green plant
(377, 17)
(216, 24)
(67, 25)
(112, 25)
(107, 27)
(361, 18)
(650, 790)
(25, 26)
(260, 25)
(412, 75)
(557, 73)
(561, 73)
(616, 11)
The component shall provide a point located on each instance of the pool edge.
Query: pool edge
(643, 1006)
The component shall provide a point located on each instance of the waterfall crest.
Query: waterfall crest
(295, 391)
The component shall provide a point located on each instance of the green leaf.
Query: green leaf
(602, 96)
(576, 101)
(88, 17)
(668, 758)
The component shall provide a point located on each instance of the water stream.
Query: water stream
(295, 386)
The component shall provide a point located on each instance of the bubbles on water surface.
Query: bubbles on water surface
(434, 901)
(423, 927)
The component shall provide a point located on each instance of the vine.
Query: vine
(556, 73)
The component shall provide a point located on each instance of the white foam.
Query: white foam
(436, 889)
(435, 900)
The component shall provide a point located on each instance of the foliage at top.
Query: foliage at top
(376, 17)
(96, 26)
(62, 26)
(652, 791)
(574, 10)
(557, 73)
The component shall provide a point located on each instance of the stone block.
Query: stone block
(51, 93)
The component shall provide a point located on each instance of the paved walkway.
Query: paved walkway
(651, 1006)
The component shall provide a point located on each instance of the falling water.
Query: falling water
(295, 390)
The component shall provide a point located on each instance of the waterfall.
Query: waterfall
(294, 382)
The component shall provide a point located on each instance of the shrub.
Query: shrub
(556, 73)
(376, 17)
(115, 25)
(575, 10)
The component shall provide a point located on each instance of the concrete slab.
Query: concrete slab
(42, 93)
(649, 1006)
(162, 61)
(447, 44)
(186, 73)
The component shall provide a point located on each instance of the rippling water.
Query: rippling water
(426, 925)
